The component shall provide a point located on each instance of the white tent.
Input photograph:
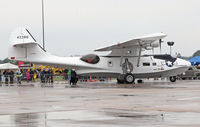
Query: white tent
(9, 66)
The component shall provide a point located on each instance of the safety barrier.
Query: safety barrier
(46, 78)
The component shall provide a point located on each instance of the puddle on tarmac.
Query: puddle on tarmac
(84, 118)
(53, 119)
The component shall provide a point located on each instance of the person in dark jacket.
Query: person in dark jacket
(50, 74)
(73, 77)
(32, 75)
(42, 76)
(65, 74)
(11, 75)
(6, 74)
(46, 75)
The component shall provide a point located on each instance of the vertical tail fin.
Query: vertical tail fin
(23, 46)
(21, 36)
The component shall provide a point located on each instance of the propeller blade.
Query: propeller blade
(160, 42)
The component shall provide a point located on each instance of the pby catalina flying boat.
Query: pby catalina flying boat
(125, 61)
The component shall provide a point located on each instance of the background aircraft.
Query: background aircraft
(125, 61)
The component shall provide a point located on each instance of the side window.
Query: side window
(154, 64)
(146, 64)
(110, 63)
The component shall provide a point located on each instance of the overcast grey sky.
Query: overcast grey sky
(80, 26)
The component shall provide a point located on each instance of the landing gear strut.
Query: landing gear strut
(172, 78)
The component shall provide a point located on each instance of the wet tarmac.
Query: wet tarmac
(150, 104)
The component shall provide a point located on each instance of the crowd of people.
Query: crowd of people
(45, 75)
(8, 75)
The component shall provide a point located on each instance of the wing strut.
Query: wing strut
(140, 51)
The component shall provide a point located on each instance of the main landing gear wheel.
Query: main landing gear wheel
(129, 78)
(172, 78)
(120, 79)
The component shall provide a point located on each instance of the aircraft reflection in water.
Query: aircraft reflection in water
(125, 61)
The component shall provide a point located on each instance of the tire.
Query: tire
(172, 78)
(183, 78)
(140, 81)
(120, 81)
(129, 78)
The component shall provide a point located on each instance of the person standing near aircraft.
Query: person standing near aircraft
(28, 76)
(65, 74)
(73, 77)
(35, 75)
(5, 73)
(11, 75)
(31, 75)
(18, 75)
(42, 76)
(69, 76)
(50, 73)
(46, 75)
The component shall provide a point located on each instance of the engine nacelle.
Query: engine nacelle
(154, 44)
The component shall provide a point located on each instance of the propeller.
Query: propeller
(160, 43)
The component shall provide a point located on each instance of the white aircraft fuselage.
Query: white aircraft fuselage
(124, 59)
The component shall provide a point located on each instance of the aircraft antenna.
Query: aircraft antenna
(43, 39)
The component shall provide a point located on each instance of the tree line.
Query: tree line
(197, 53)
(6, 60)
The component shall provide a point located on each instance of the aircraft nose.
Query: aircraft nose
(188, 63)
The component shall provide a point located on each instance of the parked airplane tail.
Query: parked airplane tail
(23, 46)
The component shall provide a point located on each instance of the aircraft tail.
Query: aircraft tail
(23, 46)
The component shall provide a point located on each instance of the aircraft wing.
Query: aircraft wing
(144, 41)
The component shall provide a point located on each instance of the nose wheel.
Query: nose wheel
(172, 78)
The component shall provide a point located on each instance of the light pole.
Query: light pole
(43, 24)
(170, 43)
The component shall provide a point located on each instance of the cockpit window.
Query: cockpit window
(90, 58)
